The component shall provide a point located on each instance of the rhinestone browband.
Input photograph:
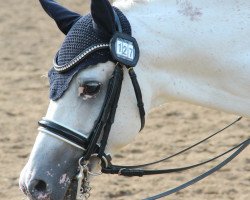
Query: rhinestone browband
(77, 59)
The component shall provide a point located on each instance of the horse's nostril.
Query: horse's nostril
(40, 186)
(37, 187)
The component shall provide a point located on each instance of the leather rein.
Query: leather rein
(96, 143)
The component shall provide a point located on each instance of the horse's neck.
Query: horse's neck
(195, 51)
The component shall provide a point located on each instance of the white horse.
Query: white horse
(197, 51)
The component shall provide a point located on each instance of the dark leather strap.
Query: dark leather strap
(134, 80)
(138, 95)
(115, 94)
(243, 146)
(64, 132)
(141, 172)
(114, 84)
(181, 151)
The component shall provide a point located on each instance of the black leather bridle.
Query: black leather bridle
(97, 140)
(102, 126)
(105, 119)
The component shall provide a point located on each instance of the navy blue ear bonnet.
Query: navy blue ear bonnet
(83, 34)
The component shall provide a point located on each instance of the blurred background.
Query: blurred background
(29, 40)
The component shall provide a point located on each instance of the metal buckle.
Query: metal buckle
(120, 171)
(95, 173)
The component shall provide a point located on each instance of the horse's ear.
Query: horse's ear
(63, 17)
(103, 16)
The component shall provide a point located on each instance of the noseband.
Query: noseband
(96, 143)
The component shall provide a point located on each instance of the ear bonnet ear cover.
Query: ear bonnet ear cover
(63, 17)
(103, 17)
(82, 35)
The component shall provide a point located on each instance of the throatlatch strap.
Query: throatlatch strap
(138, 95)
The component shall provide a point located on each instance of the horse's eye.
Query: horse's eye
(89, 89)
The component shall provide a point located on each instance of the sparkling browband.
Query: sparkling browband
(77, 59)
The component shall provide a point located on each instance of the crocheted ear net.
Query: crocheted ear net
(81, 36)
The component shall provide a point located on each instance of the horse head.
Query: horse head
(96, 102)
(79, 88)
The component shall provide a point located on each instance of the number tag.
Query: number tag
(124, 49)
